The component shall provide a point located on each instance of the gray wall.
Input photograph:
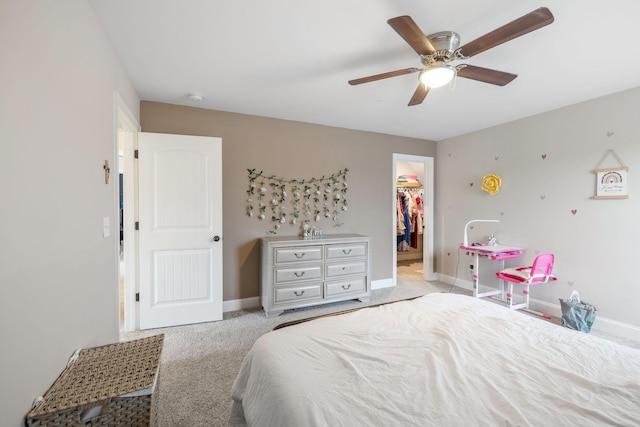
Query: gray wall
(291, 150)
(546, 163)
(58, 283)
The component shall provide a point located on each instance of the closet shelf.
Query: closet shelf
(409, 184)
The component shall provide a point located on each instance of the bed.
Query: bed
(438, 360)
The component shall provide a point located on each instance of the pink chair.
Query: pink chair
(536, 274)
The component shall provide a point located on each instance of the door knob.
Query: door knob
(215, 239)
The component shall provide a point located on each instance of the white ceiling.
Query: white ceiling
(291, 59)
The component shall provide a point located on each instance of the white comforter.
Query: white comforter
(440, 360)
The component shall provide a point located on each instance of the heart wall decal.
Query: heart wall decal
(609, 134)
(574, 211)
(544, 156)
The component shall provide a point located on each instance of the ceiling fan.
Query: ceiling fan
(437, 50)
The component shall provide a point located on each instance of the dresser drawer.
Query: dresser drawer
(358, 284)
(347, 250)
(346, 268)
(298, 254)
(298, 293)
(298, 273)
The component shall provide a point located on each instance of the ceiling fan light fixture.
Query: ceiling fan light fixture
(437, 75)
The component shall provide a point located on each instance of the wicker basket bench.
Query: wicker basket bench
(111, 385)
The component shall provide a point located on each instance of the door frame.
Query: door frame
(427, 236)
(126, 121)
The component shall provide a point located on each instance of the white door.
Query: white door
(180, 215)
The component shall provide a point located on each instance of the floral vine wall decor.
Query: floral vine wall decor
(297, 202)
(491, 184)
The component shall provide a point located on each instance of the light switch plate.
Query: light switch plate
(106, 227)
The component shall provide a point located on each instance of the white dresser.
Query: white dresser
(298, 272)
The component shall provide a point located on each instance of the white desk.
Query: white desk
(496, 253)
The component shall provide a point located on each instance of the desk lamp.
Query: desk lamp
(465, 242)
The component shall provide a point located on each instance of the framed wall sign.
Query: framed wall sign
(611, 183)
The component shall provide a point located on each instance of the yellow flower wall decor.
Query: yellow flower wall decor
(491, 184)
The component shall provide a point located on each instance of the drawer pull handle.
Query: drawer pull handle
(299, 274)
(346, 287)
(346, 251)
(299, 255)
(298, 293)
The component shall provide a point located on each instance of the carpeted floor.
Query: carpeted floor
(199, 362)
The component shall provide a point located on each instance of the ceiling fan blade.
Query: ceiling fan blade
(383, 76)
(485, 75)
(411, 33)
(523, 25)
(419, 95)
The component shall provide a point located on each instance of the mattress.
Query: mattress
(438, 360)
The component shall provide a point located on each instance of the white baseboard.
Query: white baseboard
(602, 324)
(464, 284)
(240, 304)
(383, 283)
(614, 327)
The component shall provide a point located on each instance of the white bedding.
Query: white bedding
(440, 360)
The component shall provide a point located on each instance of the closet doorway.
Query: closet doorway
(413, 217)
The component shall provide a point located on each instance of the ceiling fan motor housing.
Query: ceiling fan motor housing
(445, 44)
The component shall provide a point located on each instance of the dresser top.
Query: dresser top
(308, 239)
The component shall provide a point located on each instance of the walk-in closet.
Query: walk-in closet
(410, 224)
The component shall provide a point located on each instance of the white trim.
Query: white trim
(624, 330)
(240, 304)
(428, 247)
(450, 280)
(124, 118)
(382, 283)
(126, 115)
